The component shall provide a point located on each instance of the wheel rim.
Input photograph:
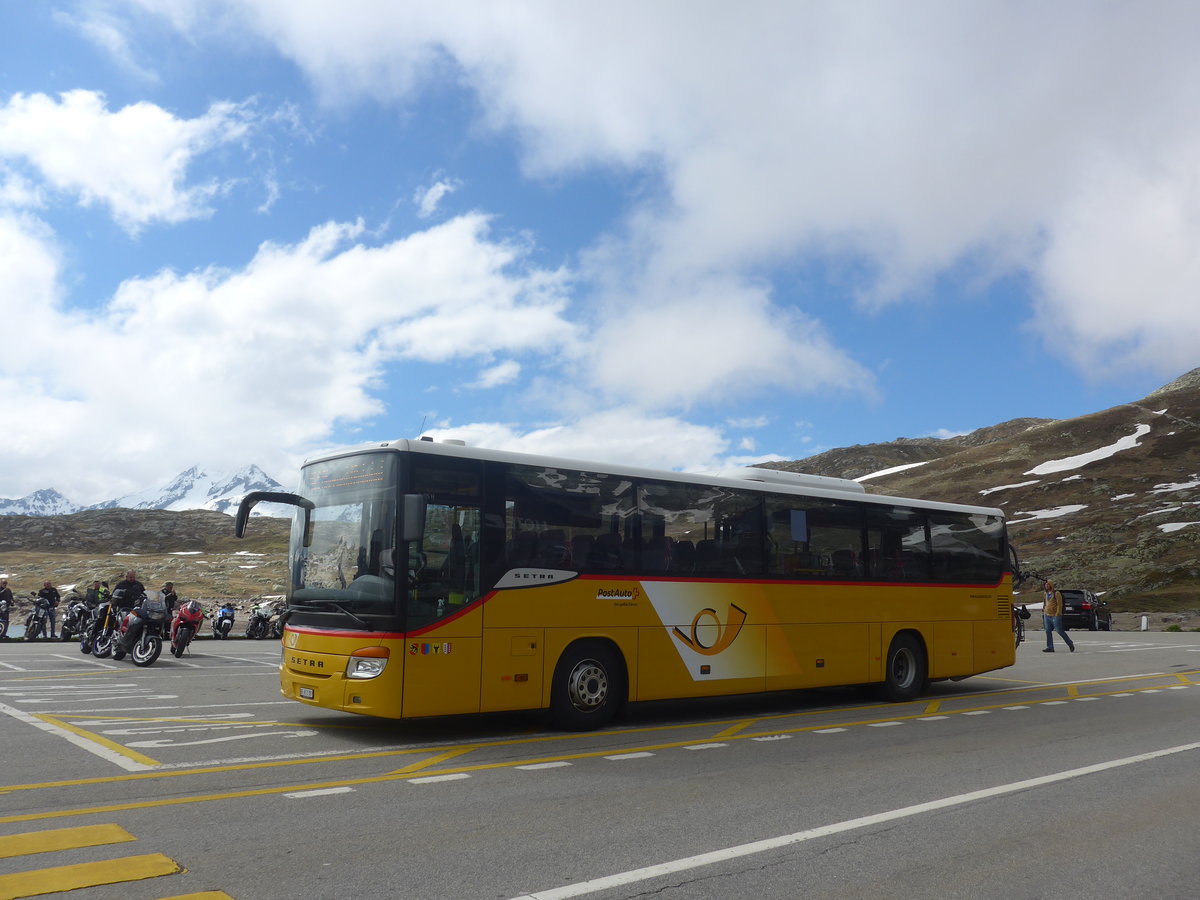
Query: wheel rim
(587, 685)
(904, 668)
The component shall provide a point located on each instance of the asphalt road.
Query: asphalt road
(1068, 775)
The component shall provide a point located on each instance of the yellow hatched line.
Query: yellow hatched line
(40, 882)
(62, 839)
(734, 729)
(434, 760)
(119, 749)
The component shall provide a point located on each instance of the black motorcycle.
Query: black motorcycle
(5, 603)
(142, 630)
(38, 619)
(101, 638)
(77, 617)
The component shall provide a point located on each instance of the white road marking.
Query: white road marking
(829, 730)
(90, 746)
(14, 668)
(533, 767)
(705, 746)
(714, 857)
(642, 755)
(932, 718)
(322, 792)
(883, 724)
(433, 779)
(167, 742)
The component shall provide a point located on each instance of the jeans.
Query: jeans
(1054, 624)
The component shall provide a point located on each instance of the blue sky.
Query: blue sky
(682, 235)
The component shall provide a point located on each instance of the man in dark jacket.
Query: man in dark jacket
(6, 601)
(50, 594)
(128, 591)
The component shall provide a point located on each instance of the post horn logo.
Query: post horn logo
(720, 635)
(291, 639)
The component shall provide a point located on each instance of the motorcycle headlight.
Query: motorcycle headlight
(368, 662)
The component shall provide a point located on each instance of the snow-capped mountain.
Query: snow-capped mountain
(47, 502)
(193, 489)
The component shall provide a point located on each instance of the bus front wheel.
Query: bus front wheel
(588, 688)
(907, 669)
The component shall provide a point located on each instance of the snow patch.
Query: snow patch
(1075, 462)
(893, 470)
(1056, 512)
(1005, 487)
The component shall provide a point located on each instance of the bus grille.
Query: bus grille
(1003, 609)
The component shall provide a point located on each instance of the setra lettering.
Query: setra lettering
(306, 663)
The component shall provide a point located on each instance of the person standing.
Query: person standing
(6, 602)
(170, 598)
(128, 591)
(1052, 618)
(50, 594)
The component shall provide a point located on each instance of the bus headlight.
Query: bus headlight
(369, 662)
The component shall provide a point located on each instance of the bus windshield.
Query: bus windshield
(344, 551)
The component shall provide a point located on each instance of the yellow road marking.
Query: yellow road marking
(403, 775)
(932, 707)
(96, 739)
(434, 760)
(83, 875)
(734, 729)
(62, 839)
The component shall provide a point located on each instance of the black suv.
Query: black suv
(1083, 609)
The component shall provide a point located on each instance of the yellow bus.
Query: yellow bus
(430, 578)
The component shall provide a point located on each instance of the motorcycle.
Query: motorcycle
(35, 622)
(101, 638)
(75, 619)
(261, 624)
(222, 622)
(142, 629)
(4, 607)
(184, 628)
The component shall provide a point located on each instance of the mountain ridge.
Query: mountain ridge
(193, 488)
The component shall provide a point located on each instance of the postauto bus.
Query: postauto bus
(430, 578)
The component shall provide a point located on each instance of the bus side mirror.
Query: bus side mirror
(254, 497)
(412, 525)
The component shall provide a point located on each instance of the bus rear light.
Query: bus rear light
(369, 662)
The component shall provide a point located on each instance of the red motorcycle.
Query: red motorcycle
(184, 628)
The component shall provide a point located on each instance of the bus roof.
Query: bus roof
(752, 478)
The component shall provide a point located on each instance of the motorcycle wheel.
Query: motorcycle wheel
(146, 650)
(118, 653)
(33, 631)
(85, 643)
(65, 635)
(183, 637)
(3, 629)
(102, 647)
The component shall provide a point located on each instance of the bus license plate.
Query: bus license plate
(307, 693)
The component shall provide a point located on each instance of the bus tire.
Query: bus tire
(588, 687)
(907, 669)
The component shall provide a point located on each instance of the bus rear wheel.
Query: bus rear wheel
(588, 687)
(907, 669)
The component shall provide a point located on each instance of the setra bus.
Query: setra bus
(431, 578)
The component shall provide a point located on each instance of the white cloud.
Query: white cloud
(497, 375)
(620, 434)
(133, 160)
(257, 363)
(428, 198)
(893, 139)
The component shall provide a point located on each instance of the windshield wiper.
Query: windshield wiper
(357, 619)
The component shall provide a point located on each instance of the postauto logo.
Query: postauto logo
(708, 635)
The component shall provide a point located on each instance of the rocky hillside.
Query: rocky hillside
(196, 549)
(1109, 501)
